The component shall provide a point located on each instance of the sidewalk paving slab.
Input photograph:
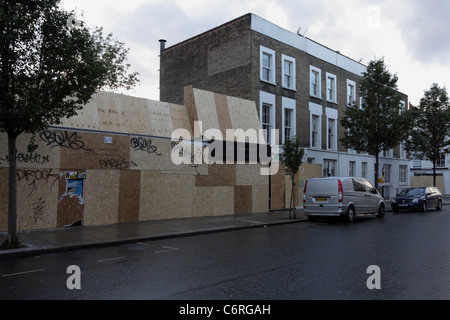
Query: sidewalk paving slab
(43, 241)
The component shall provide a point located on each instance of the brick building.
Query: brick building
(300, 87)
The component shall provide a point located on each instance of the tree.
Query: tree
(429, 138)
(380, 124)
(292, 158)
(49, 69)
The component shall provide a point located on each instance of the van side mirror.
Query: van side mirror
(374, 191)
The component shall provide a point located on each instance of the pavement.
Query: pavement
(43, 241)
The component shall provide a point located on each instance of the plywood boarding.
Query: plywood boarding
(70, 204)
(205, 105)
(260, 199)
(307, 171)
(243, 199)
(112, 112)
(4, 199)
(213, 201)
(97, 151)
(101, 197)
(250, 174)
(243, 114)
(218, 175)
(129, 196)
(165, 196)
(45, 156)
(278, 190)
(37, 198)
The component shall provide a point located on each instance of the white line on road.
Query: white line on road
(111, 259)
(168, 249)
(24, 272)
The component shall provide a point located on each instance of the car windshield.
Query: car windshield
(413, 192)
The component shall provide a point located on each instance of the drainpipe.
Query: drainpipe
(162, 46)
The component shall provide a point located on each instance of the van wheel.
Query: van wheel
(381, 212)
(350, 215)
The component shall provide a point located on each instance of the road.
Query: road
(303, 261)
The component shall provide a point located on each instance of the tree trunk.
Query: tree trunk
(13, 238)
(293, 199)
(434, 173)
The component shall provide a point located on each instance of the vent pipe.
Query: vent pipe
(162, 44)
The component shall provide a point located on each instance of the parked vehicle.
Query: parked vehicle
(341, 197)
(420, 198)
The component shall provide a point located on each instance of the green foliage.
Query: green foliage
(292, 157)
(49, 71)
(380, 124)
(429, 138)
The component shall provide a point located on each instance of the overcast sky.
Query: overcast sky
(412, 35)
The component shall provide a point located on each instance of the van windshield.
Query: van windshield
(322, 186)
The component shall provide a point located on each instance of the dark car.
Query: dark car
(420, 198)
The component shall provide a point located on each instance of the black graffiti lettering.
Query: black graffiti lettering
(141, 144)
(38, 209)
(63, 139)
(116, 164)
(184, 152)
(33, 176)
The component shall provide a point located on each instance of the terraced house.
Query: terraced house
(300, 87)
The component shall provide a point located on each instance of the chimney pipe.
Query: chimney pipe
(162, 44)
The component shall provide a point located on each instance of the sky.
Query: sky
(411, 35)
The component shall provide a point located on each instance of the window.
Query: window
(267, 57)
(364, 170)
(403, 174)
(329, 168)
(331, 88)
(288, 118)
(351, 168)
(387, 173)
(351, 92)
(316, 90)
(315, 131)
(267, 115)
(331, 134)
(316, 112)
(288, 66)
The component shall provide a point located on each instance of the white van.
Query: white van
(345, 197)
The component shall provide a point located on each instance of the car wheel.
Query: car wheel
(381, 212)
(439, 206)
(350, 215)
(424, 206)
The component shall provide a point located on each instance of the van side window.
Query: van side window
(358, 186)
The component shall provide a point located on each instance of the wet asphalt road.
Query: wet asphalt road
(303, 261)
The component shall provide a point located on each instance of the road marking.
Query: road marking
(167, 249)
(24, 272)
(111, 259)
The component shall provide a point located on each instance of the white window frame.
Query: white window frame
(268, 99)
(352, 100)
(318, 83)
(272, 73)
(329, 167)
(386, 172)
(403, 173)
(352, 168)
(315, 110)
(332, 114)
(333, 88)
(292, 86)
(364, 170)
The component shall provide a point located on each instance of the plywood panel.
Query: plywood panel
(205, 105)
(180, 117)
(37, 198)
(213, 201)
(87, 118)
(278, 190)
(218, 175)
(70, 198)
(101, 197)
(4, 199)
(129, 196)
(43, 157)
(165, 196)
(243, 200)
(250, 174)
(260, 198)
(96, 152)
(243, 114)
